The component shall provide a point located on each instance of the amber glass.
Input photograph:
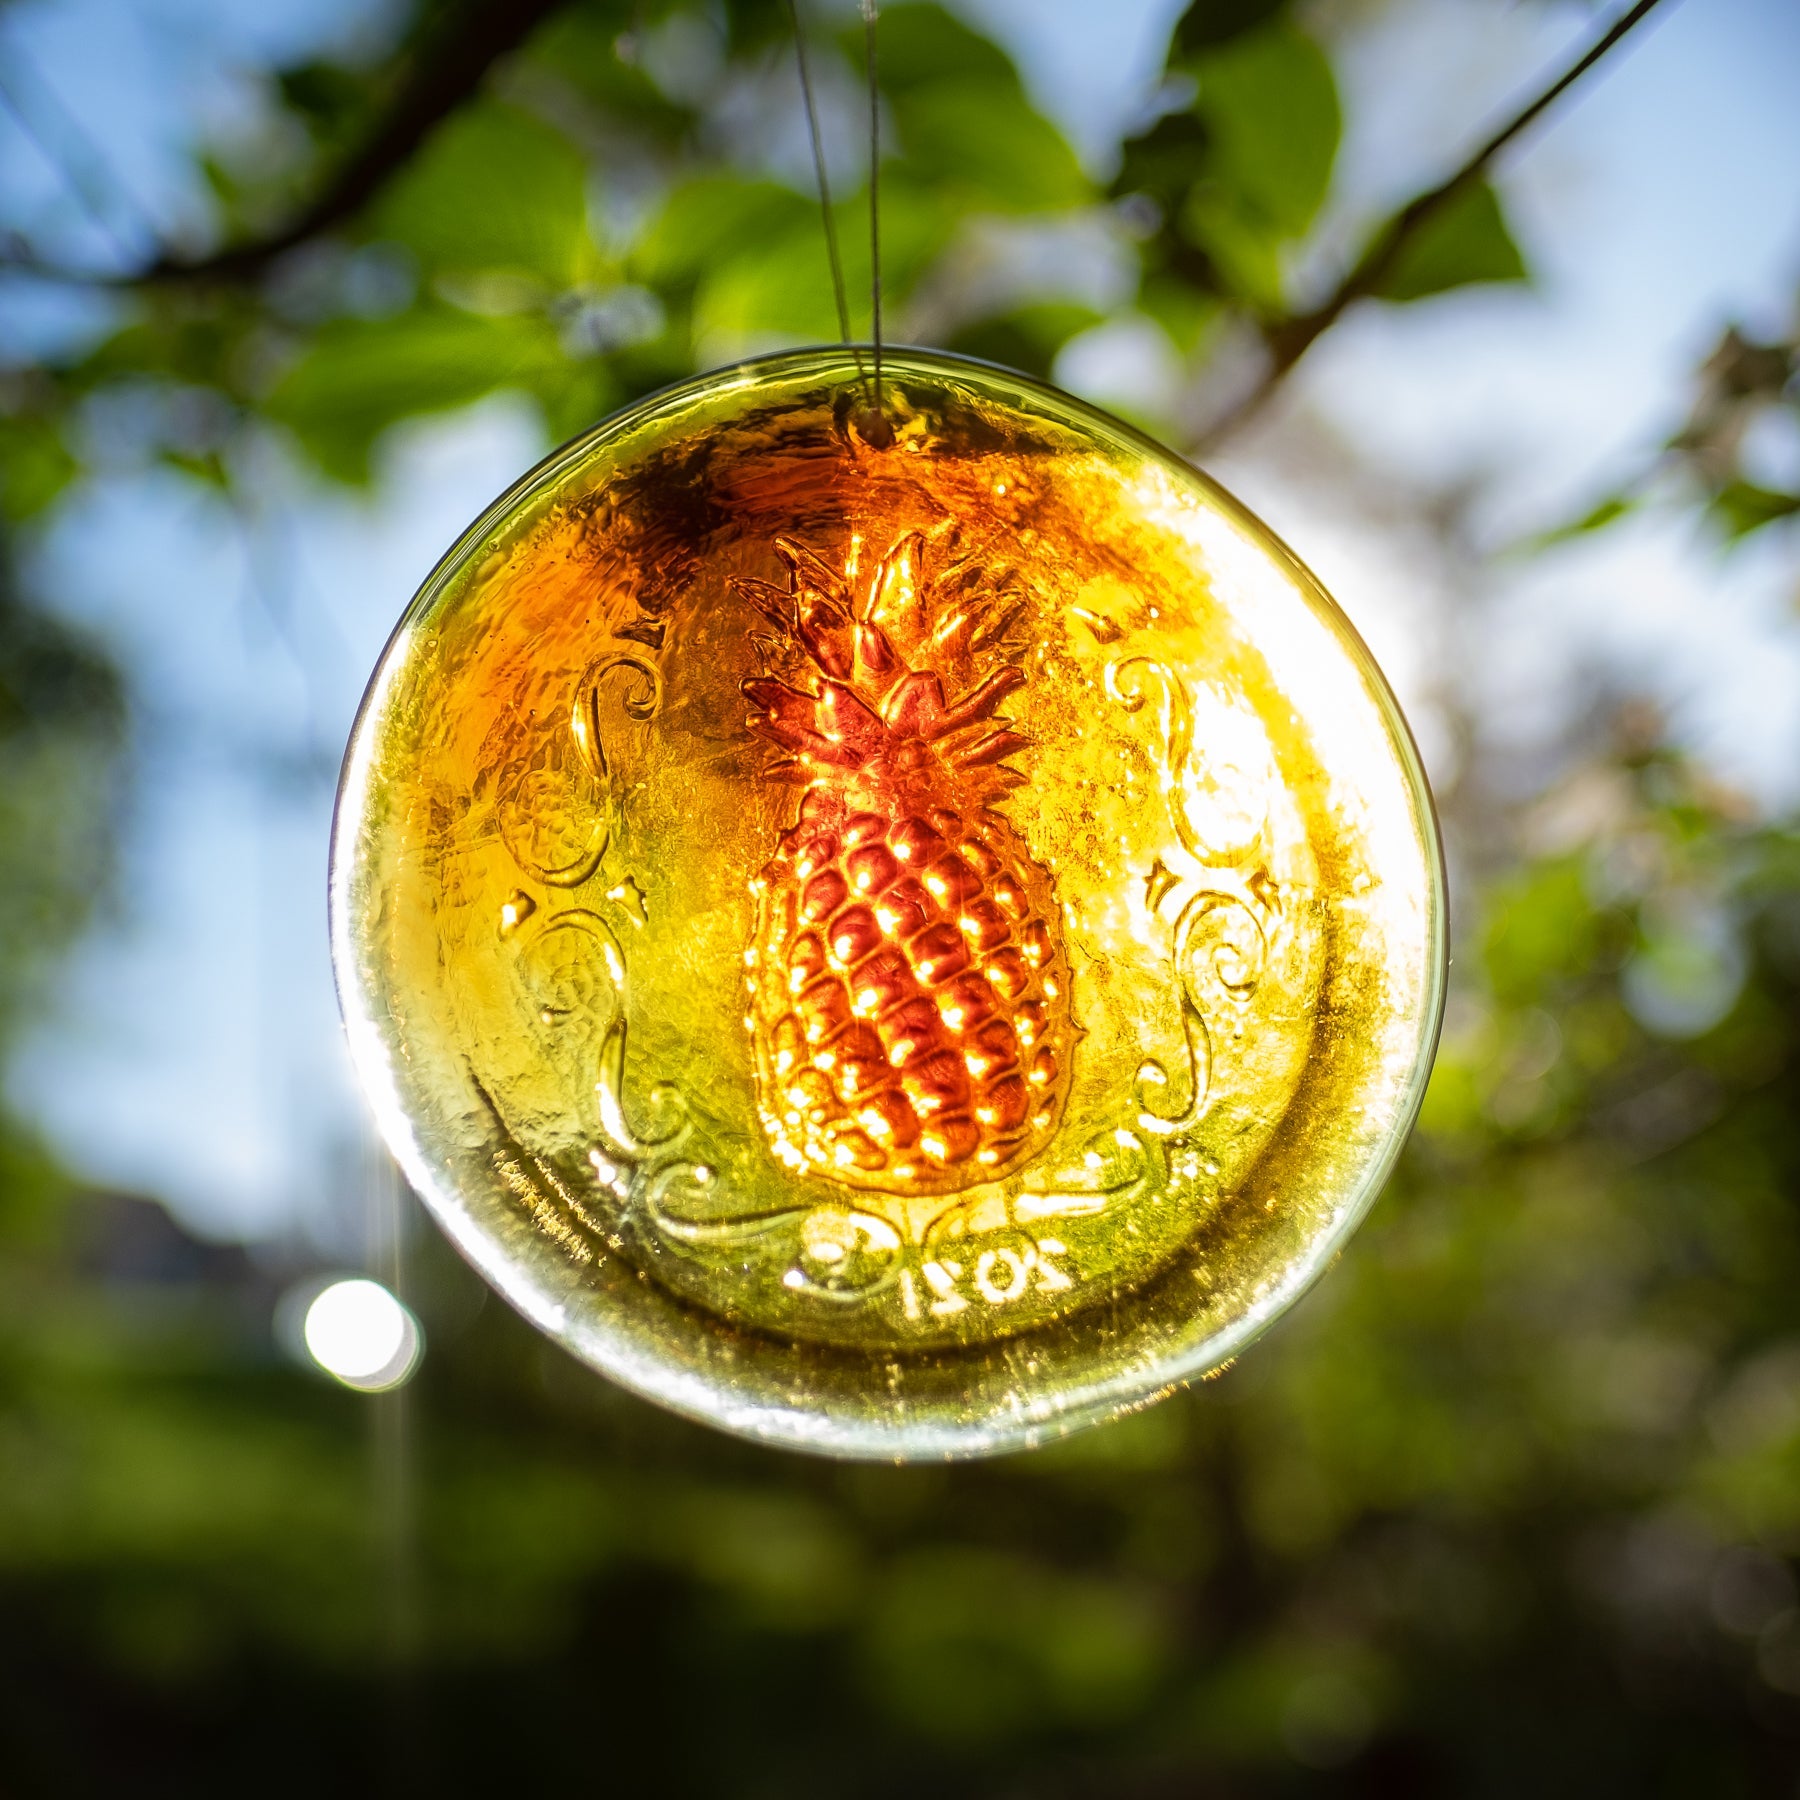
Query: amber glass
(896, 932)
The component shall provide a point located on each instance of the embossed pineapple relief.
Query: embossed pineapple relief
(911, 1020)
(909, 992)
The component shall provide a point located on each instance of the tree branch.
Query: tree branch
(1290, 339)
(446, 74)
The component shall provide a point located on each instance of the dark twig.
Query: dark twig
(1289, 339)
(446, 74)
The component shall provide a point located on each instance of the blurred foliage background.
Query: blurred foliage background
(1510, 1505)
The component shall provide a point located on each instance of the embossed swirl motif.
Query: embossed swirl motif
(556, 805)
(909, 1017)
(909, 993)
(553, 789)
(1219, 941)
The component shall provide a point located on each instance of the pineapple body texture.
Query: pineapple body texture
(909, 995)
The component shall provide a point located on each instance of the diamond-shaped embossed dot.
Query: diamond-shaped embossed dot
(854, 934)
(822, 896)
(939, 953)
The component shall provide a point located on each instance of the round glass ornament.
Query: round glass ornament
(894, 934)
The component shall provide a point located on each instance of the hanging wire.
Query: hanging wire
(875, 426)
(868, 13)
(818, 152)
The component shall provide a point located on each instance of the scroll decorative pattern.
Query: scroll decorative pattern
(1223, 902)
(557, 802)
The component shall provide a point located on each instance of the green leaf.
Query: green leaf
(1027, 339)
(207, 467)
(778, 292)
(712, 218)
(1603, 515)
(332, 99)
(1244, 253)
(35, 465)
(360, 376)
(1165, 161)
(1608, 512)
(581, 48)
(1742, 507)
(988, 145)
(776, 289)
(918, 220)
(1541, 930)
(1209, 23)
(1245, 172)
(577, 395)
(1186, 312)
(920, 46)
(1466, 241)
(962, 117)
(1272, 103)
(494, 189)
(172, 343)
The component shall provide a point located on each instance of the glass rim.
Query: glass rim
(857, 1433)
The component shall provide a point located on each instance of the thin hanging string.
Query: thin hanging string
(818, 152)
(868, 13)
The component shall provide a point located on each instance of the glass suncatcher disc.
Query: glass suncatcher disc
(894, 942)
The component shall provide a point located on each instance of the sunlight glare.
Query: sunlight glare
(358, 1333)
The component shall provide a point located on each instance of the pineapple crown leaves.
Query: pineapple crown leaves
(879, 661)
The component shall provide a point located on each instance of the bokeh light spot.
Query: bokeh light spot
(358, 1333)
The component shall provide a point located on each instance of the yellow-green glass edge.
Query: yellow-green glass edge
(860, 1429)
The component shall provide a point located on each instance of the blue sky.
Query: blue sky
(195, 1051)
